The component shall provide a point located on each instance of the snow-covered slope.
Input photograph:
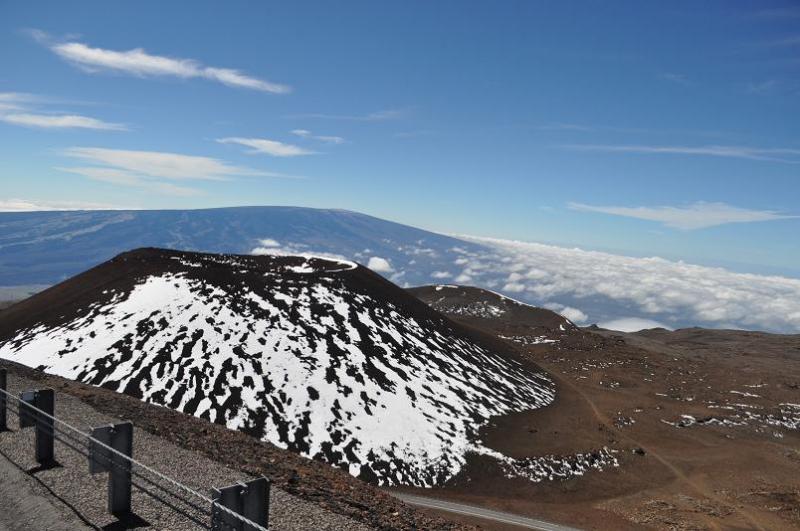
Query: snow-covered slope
(322, 357)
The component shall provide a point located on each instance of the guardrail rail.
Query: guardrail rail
(243, 506)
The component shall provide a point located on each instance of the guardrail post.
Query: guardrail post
(256, 502)
(250, 500)
(3, 390)
(43, 400)
(101, 459)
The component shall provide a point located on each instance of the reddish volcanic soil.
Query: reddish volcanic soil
(706, 424)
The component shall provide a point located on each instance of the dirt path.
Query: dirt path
(678, 473)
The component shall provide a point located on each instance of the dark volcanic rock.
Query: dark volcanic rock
(469, 302)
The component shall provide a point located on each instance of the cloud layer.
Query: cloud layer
(696, 216)
(585, 286)
(658, 289)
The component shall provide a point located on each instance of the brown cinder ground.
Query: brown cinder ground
(629, 392)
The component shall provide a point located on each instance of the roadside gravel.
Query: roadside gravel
(68, 497)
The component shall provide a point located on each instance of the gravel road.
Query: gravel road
(24, 509)
(68, 497)
(481, 512)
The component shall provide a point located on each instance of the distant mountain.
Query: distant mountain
(322, 357)
(48, 247)
(505, 317)
(42, 248)
(480, 305)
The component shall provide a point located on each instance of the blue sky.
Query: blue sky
(641, 128)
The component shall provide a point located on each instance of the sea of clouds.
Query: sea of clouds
(617, 292)
(661, 291)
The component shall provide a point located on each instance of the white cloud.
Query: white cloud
(292, 249)
(514, 287)
(139, 63)
(269, 147)
(22, 109)
(60, 121)
(160, 164)
(573, 314)
(305, 133)
(414, 134)
(18, 97)
(786, 155)
(631, 324)
(148, 170)
(125, 178)
(269, 242)
(27, 205)
(696, 216)
(441, 274)
(558, 126)
(378, 116)
(380, 265)
(653, 287)
(679, 79)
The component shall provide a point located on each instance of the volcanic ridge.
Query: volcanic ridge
(508, 318)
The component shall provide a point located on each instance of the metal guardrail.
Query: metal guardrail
(240, 507)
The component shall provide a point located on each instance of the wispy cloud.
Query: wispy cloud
(268, 147)
(672, 77)
(33, 205)
(779, 13)
(377, 116)
(559, 126)
(138, 62)
(792, 40)
(16, 99)
(161, 164)
(152, 170)
(415, 134)
(695, 216)
(328, 139)
(60, 121)
(23, 109)
(785, 155)
(125, 178)
(763, 87)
